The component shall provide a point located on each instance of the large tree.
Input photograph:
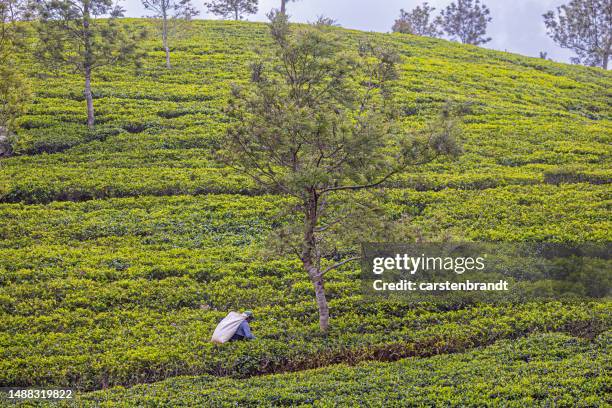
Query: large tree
(466, 20)
(169, 12)
(232, 8)
(14, 87)
(584, 26)
(74, 33)
(418, 21)
(319, 123)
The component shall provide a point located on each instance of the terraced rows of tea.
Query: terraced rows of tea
(537, 371)
(121, 248)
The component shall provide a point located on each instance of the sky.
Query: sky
(517, 25)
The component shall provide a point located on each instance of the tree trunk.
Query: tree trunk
(311, 257)
(89, 98)
(165, 40)
(283, 6)
(317, 281)
(236, 15)
(321, 303)
(5, 145)
(167, 57)
(606, 57)
(87, 64)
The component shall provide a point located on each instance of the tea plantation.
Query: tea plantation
(121, 248)
(537, 371)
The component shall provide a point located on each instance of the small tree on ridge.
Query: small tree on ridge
(74, 33)
(418, 21)
(232, 8)
(169, 11)
(467, 21)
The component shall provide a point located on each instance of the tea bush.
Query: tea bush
(121, 248)
(537, 371)
(151, 276)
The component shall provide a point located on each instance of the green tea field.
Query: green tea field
(121, 248)
(536, 371)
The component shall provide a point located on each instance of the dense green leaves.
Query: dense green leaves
(117, 258)
(538, 371)
(100, 285)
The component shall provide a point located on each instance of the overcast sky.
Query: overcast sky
(516, 27)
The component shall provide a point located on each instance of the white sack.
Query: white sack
(227, 327)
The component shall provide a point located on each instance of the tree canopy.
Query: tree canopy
(235, 9)
(83, 35)
(418, 21)
(169, 12)
(318, 122)
(466, 20)
(584, 26)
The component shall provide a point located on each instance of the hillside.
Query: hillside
(537, 371)
(120, 249)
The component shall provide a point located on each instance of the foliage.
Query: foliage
(232, 8)
(319, 121)
(537, 371)
(170, 12)
(467, 21)
(584, 26)
(121, 251)
(73, 34)
(323, 21)
(14, 88)
(14, 99)
(418, 21)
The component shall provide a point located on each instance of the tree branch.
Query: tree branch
(339, 264)
(364, 186)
